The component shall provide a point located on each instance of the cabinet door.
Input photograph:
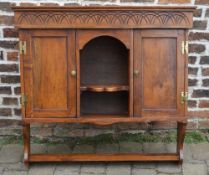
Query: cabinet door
(50, 87)
(160, 78)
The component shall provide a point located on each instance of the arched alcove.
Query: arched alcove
(104, 81)
(104, 60)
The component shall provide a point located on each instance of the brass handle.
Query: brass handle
(73, 73)
(136, 72)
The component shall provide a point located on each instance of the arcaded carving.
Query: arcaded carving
(104, 18)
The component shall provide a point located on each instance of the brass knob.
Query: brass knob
(73, 73)
(136, 72)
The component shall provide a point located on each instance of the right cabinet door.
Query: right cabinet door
(159, 71)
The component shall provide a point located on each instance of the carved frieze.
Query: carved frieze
(116, 18)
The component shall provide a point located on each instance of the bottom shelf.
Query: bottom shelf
(104, 116)
(103, 157)
(106, 121)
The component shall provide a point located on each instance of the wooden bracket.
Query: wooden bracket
(176, 157)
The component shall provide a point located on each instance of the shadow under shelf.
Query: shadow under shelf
(102, 101)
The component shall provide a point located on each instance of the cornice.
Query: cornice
(113, 17)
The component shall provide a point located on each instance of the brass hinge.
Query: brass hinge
(184, 97)
(23, 99)
(184, 47)
(22, 47)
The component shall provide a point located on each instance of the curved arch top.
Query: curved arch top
(107, 36)
(100, 36)
(124, 36)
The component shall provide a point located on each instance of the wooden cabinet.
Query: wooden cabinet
(103, 65)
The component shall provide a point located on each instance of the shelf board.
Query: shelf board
(94, 116)
(104, 157)
(105, 121)
(104, 88)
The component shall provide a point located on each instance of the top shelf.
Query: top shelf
(104, 88)
(106, 8)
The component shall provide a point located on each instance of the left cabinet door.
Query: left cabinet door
(49, 84)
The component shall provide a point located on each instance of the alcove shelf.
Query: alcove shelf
(105, 88)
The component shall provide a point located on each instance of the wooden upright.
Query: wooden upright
(103, 65)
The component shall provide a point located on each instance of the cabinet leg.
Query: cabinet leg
(181, 131)
(26, 140)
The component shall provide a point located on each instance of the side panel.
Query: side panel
(23, 71)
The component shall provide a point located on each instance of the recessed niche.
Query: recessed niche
(104, 63)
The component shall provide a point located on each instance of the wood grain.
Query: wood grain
(53, 89)
(103, 157)
(161, 73)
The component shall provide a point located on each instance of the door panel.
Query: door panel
(49, 73)
(52, 58)
(159, 73)
(161, 79)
